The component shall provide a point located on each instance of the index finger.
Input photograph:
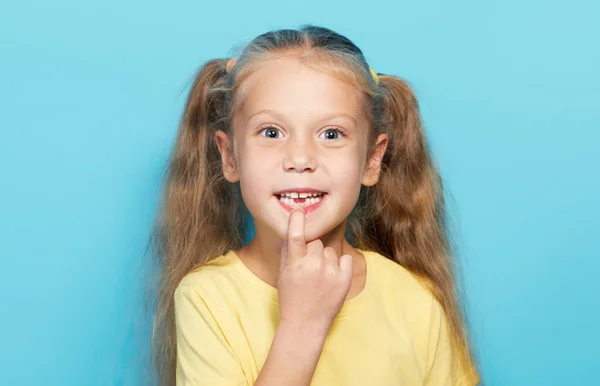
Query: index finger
(296, 247)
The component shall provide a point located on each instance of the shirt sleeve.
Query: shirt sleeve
(204, 356)
(444, 368)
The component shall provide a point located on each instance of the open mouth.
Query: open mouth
(309, 201)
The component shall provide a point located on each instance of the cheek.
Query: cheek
(255, 174)
(345, 179)
(345, 168)
(255, 166)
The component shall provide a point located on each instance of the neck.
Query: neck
(262, 254)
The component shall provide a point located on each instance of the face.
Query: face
(299, 138)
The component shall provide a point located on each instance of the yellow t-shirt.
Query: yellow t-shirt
(392, 333)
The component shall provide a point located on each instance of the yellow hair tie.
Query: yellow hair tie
(374, 75)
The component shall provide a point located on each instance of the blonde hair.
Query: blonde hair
(201, 214)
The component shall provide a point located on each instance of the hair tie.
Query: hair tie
(230, 64)
(374, 75)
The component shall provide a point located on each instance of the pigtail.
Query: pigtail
(405, 211)
(199, 217)
(410, 204)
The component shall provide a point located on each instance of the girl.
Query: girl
(348, 279)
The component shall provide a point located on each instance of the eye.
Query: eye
(332, 133)
(270, 132)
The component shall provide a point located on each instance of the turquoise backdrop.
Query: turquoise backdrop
(91, 93)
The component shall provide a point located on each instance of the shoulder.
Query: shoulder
(211, 279)
(395, 279)
(405, 297)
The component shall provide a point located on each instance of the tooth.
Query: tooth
(303, 195)
(294, 195)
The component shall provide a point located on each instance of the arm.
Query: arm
(446, 367)
(293, 356)
(312, 285)
(205, 357)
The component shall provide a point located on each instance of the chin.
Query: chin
(318, 223)
(312, 231)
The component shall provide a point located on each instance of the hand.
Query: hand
(313, 283)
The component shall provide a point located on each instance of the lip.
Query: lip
(300, 190)
(307, 209)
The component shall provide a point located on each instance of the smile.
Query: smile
(307, 200)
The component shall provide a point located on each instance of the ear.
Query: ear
(373, 168)
(228, 163)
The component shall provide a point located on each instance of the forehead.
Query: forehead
(299, 91)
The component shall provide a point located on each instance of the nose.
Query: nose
(299, 157)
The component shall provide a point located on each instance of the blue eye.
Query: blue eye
(331, 134)
(270, 132)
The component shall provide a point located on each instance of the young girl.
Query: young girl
(348, 279)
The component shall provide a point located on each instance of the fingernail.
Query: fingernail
(298, 207)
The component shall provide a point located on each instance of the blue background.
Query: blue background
(90, 96)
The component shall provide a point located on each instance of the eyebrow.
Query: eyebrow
(323, 118)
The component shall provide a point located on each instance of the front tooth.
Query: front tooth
(303, 195)
(294, 195)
